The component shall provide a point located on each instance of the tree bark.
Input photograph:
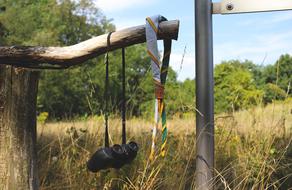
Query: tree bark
(18, 92)
(63, 57)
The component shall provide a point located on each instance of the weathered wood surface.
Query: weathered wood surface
(18, 90)
(37, 57)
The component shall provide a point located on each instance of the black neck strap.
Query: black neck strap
(106, 94)
(123, 97)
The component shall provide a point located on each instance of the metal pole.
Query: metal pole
(204, 95)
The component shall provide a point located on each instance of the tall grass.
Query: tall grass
(253, 151)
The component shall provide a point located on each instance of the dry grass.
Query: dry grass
(253, 151)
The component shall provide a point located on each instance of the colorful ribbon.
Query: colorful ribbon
(159, 71)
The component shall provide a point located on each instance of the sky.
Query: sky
(259, 37)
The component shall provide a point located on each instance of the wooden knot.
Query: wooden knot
(159, 91)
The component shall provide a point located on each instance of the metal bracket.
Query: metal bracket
(250, 6)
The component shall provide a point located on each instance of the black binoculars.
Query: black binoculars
(113, 157)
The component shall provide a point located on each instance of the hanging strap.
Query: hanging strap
(123, 97)
(106, 95)
(159, 71)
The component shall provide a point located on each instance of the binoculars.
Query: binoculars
(115, 156)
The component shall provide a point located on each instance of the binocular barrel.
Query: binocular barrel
(113, 157)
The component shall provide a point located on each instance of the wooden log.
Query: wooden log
(63, 57)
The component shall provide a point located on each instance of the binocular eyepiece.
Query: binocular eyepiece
(113, 157)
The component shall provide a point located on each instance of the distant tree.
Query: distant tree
(180, 96)
(273, 92)
(256, 71)
(284, 70)
(277, 79)
(234, 87)
(56, 23)
(62, 22)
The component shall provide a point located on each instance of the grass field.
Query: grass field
(253, 151)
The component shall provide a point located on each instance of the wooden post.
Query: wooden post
(18, 92)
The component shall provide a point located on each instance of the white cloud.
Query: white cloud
(269, 46)
(120, 5)
(270, 21)
(122, 23)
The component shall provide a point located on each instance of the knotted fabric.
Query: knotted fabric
(159, 70)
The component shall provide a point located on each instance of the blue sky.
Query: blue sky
(259, 37)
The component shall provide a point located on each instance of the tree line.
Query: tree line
(79, 91)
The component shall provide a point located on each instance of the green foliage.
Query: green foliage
(273, 92)
(234, 87)
(285, 72)
(64, 22)
(277, 79)
(256, 71)
(280, 73)
(180, 97)
(62, 94)
(42, 117)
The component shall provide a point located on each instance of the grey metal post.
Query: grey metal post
(204, 95)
